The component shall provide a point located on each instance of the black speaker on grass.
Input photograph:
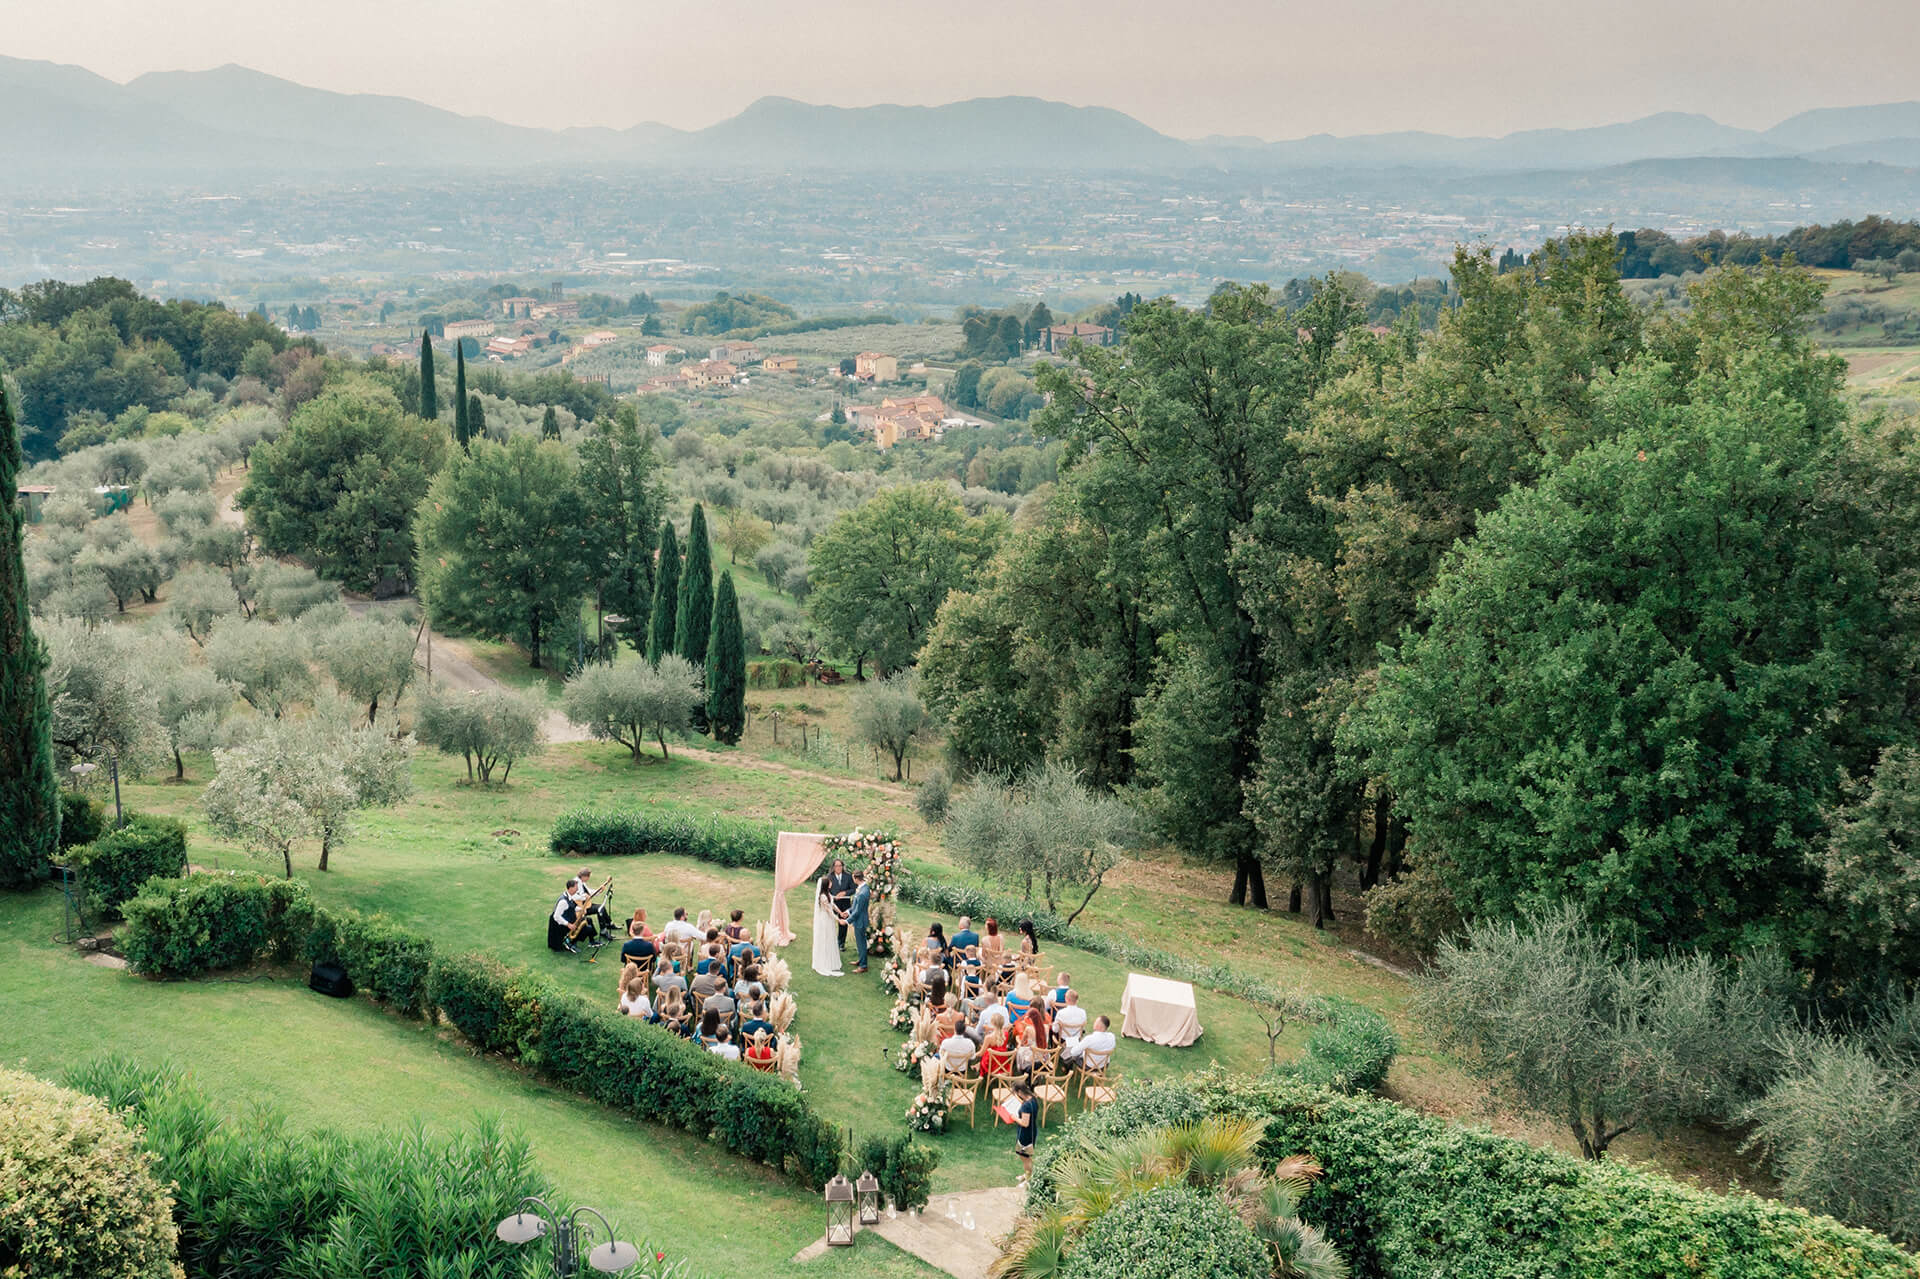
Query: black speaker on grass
(331, 979)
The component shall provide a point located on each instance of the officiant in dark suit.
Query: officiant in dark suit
(840, 885)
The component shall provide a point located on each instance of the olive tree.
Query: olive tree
(889, 715)
(269, 664)
(308, 778)
(198, 599)
(1047, 831)
(1558, 1020)
(369, 657)
(624, 702)
(190, 701)
(101, 708)
(490, 729)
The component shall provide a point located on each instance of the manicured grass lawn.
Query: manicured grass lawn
(347, 1064)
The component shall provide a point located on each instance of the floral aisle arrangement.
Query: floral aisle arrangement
(878, 853)
(907, 1058)
(928, 1113)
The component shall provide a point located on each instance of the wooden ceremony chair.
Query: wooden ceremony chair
(1100, 1088)
(1050, 1089)
(963, 1092)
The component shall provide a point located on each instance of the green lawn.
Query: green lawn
(347, 1064)
(437, 864)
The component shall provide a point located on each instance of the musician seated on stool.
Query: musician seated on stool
(565, 912)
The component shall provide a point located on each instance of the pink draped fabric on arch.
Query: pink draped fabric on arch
(795, 858)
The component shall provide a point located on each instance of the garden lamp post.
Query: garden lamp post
(611, 1257)
(840, 1212)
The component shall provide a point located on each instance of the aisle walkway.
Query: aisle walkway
(947, 1244)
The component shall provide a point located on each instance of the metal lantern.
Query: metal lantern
(868, 1188)
(840, 1212)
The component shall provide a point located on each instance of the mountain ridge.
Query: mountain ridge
(234, 117)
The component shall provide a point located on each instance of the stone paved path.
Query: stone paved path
(949, 1245)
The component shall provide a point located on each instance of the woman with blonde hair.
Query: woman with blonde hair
(633, 994)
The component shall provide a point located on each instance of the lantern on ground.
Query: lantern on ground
(840, 1212)
(868, 1189)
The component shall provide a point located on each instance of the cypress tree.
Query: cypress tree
(665, 595)
(476, 418)
(693, 625)
(29, 788)
(429, 393)
(462, 431)
(550, 424)
(726, 666)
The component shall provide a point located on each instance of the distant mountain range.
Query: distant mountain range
(66, 121)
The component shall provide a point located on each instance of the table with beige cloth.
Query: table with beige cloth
(1158, 1011)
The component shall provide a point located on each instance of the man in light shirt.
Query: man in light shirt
(955, 1051)
(1095, 1048)
(723, 1046)
(678, 929)
(1070, 1020)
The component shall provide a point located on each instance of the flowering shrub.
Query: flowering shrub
(907, 1058)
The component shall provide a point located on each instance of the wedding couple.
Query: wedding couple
(839, 902)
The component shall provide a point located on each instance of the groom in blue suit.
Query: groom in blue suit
(857, 919)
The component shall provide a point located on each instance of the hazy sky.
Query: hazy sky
(1279, 69)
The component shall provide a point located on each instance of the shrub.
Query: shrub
(185, 927)
(903, 1167)
(387, 961)
(495, 1007)
(1351, 1051)
(262, 1200)
(631, 832)
(78, 1197)
(933, 796)
(1408, 1196)
(115, 865)
(1137, 1106)
(1172, 1232)
(781, 672)
(81, 820)
(1412, 912)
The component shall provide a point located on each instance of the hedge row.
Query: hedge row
(1351, 1050)
(184, 927)
(114, 865)
(643, 1070)
(1407, 1196)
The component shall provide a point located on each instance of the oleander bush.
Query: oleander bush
(260, 1199)
(79, 1199)
(115, 865)
(1171, 1232)
(1407, 1196)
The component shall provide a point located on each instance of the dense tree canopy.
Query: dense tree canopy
(339, 488)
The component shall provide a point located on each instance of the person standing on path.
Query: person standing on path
(857, 919)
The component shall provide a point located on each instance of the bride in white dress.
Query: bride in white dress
(826, 945)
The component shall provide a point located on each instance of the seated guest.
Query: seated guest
(760, 1053)
(995, 1017)
(723, 1045)
(973, 1029)
(741, 952)
(666, 977)
(735, 929)
(964, 936)
(639, 948)
(1070, 1020)
(1094, 1049)
(970, 970)
(1026, 1051)
(637, 926)
(709, 1028)
(937, 940)
(992, 944)
(749, 988)
(1040, 1017)
(996, 1057)
(705, 923)
(1061, 986)
(721, 1002)
(757, 1021)
(956, 1051)
(672, 1010)
(1020, 998)
(633, 995)
(678, 929)
(937, 991)
(1029, 940)
(708, 981)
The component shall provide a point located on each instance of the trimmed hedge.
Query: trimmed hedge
(1406, 1196)
(643, 1070)
(1170, 1232)
(114, 865)
(185, 927)
(387, 961)
(629, 832)
(1351, 1051)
